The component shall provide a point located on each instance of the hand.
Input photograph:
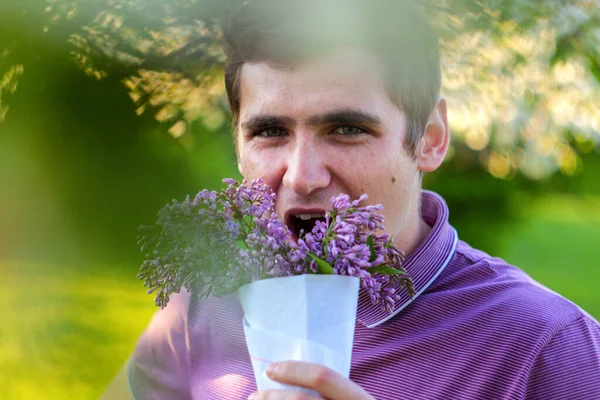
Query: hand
(328, 383)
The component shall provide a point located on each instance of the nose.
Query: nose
(306, 170)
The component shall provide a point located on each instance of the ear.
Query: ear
(436, 139)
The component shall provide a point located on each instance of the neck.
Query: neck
(408, 244)
(416, 229)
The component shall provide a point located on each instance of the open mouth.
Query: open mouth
(302, 223)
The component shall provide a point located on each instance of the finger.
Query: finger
(323, 380)
(275, 394)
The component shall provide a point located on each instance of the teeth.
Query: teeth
(306, 217)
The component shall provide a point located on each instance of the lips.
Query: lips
(303, 219)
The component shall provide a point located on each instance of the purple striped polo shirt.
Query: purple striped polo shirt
(478, 328)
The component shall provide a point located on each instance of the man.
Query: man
(343, 96)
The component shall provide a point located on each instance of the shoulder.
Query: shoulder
(506, 294)
(558, 341)
(159, 367)
(568, 366)
(168, 323)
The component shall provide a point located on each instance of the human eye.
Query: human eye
(271, 133)
(349, 131)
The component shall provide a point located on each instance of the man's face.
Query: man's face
(327, 127)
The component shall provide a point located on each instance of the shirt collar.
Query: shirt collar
(423, 265)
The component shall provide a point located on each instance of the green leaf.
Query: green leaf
(381, 269)
(388, 243)
(323, 267)
(372, 248)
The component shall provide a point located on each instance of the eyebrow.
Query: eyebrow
(260, 122)
(345, 117)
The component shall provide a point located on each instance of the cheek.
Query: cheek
(376, 172)
(265, 166)
(390, 182)
(357, 168)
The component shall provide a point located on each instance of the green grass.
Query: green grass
(559, 246)
(65, 333)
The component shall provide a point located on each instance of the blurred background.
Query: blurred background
(111, 108)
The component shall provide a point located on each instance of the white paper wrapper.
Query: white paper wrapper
(304, 318)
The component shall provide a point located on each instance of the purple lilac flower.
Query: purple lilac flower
(343, 241)
(195, 245)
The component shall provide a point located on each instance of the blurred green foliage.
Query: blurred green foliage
(80, 170)
(109, 109)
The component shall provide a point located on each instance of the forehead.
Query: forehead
(345, 79)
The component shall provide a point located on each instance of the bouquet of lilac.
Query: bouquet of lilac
(217, 242)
